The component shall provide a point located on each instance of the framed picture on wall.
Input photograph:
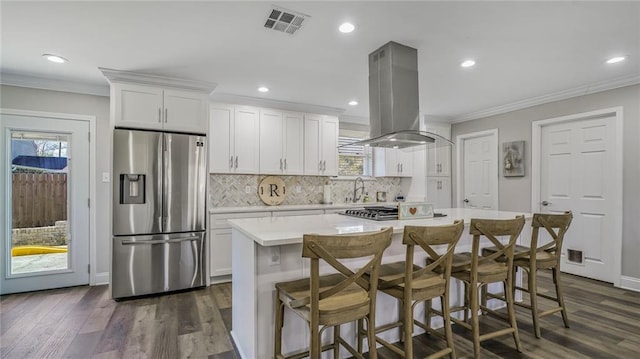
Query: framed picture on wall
(513, 159)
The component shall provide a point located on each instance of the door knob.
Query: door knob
(545, 203)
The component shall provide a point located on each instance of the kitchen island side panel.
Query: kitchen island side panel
(243, 311)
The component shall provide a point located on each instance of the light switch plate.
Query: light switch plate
(247, 189)
(106, 177)
(298, 189)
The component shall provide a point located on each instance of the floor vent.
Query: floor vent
(575, 256)
(283, 20)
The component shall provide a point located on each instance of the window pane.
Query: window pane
(354, 160)
(351, 165)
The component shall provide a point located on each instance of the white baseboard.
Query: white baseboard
(235, 341)
(630, 283)
(101, 279)
(220, 279)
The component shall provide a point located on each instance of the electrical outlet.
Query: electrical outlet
(298, 189)
(247, 189)
(106, 177)
(275, 256)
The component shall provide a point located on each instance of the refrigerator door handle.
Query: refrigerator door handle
(157, 241)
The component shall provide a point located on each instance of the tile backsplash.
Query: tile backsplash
(230, 190)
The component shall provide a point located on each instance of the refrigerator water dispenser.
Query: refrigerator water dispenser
(132, 188)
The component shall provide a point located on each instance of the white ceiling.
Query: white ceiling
(524, 50)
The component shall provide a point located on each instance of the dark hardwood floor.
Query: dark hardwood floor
(82, 322)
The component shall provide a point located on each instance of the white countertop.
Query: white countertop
(275, 231)
(295, 207)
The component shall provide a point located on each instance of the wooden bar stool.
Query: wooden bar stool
(330, 300)
(483, 270)
(412, 284)
(540, 256)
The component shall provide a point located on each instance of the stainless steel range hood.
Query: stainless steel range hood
(393, 100)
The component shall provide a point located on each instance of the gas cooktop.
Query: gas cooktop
(375, 213)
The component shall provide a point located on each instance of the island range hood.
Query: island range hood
(394, 102)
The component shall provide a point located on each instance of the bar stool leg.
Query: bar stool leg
(533, 295)
(556, 281)
(512, 315)
(401, 317)
(336, 345)
(279, 310)
(475, 324)
(427, 314)
(314, 347)
(371, 337)
(444, 304)
(360, 331)
(407, 328)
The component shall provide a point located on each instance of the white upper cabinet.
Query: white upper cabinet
(392, 162)
(157, 103)
(321, 145)
(293, 143)
(281, 142)
(439, 159)
(234, 138)
(185, 111)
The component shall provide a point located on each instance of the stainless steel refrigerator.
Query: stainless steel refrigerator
(159, 203)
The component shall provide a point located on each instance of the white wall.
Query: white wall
(73, 103)
(515, 192)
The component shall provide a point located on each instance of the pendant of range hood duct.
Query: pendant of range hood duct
(394, 102)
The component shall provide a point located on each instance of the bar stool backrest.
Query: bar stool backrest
(332, 248)
(556, 225)
(492, 228)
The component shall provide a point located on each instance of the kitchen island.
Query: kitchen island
(268, 250)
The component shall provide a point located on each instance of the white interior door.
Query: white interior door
(578, 172)
(44, 191)
(479, 170)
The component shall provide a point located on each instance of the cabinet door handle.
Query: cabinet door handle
(166, 114)
(231, 162)
(320, 166)
(281, 163)
(159, 114)
(236, 162)
(285, 163)
(324, 165)
(401, 167)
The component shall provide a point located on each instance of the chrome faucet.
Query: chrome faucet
(356, 196)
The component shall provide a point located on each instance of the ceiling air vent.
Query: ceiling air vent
(284, 20)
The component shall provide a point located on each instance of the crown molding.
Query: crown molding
(281, 105)
(552, 97)
(43, 83)
(154, 80)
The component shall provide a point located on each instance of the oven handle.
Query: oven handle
(155, 241)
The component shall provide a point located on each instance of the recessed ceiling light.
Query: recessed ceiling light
(616, 59)
(468, 63)
(263, 89)
(395, 146)
(392, 139)
(346, 28)
(55, 58)
(353, 103)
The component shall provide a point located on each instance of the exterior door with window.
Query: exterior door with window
(44, 191)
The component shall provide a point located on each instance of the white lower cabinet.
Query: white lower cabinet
(220, 243)
(220, 238)
(439, 191)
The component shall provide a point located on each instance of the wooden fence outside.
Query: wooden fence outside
(39, 199)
